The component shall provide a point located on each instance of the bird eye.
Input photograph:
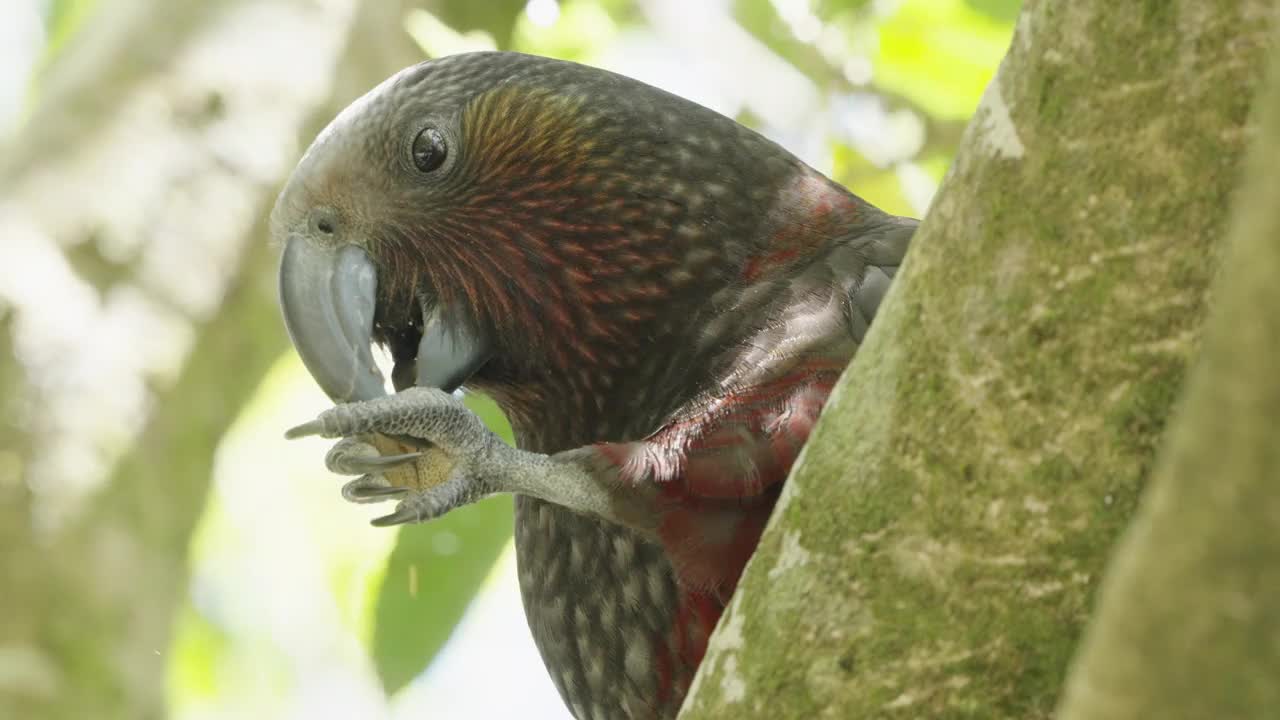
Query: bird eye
(429, 150)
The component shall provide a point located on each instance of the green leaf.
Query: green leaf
(940, 54)
(433, 573)
(582, 31)
(495, 17)
(198, 649)
(491, 414)
(64, 19)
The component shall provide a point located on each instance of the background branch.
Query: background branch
(78, 639)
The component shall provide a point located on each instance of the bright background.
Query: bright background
(127, 217)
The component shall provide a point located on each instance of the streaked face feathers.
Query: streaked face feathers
(579, 219)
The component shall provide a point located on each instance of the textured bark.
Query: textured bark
(937, 549)
(1188, 624)
(87, 610)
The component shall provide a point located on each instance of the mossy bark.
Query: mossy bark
(938, 547)
(1188, 624)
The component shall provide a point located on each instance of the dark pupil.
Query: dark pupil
(428, 150)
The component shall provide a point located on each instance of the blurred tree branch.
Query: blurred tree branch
(88, 615)
(112, 579)
(126, 41)
(936, 550)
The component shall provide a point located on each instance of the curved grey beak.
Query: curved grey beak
(328, 297)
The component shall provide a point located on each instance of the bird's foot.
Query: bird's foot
(421, 446)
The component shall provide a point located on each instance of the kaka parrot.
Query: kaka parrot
(658, 298)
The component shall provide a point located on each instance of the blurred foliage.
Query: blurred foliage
(940, 54)
(925, 62)
(198, 647)
(437, 38)
(839, 26)
(582, 30)
(497, 18)
(64, 19)
(434, 571)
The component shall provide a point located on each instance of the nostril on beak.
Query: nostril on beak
(323, 221)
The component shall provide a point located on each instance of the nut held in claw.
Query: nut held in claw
(428, 471)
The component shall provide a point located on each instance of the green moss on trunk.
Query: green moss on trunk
(1189, 620)
(937, 549)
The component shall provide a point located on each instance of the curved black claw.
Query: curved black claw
(356, 465)
(399, 517)
(312, 427)
(367, 489)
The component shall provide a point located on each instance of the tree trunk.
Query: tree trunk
(936, 550)
(1188, 625)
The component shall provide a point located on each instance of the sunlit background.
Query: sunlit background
(144, 374)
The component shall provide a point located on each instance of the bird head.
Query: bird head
(503, 217)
